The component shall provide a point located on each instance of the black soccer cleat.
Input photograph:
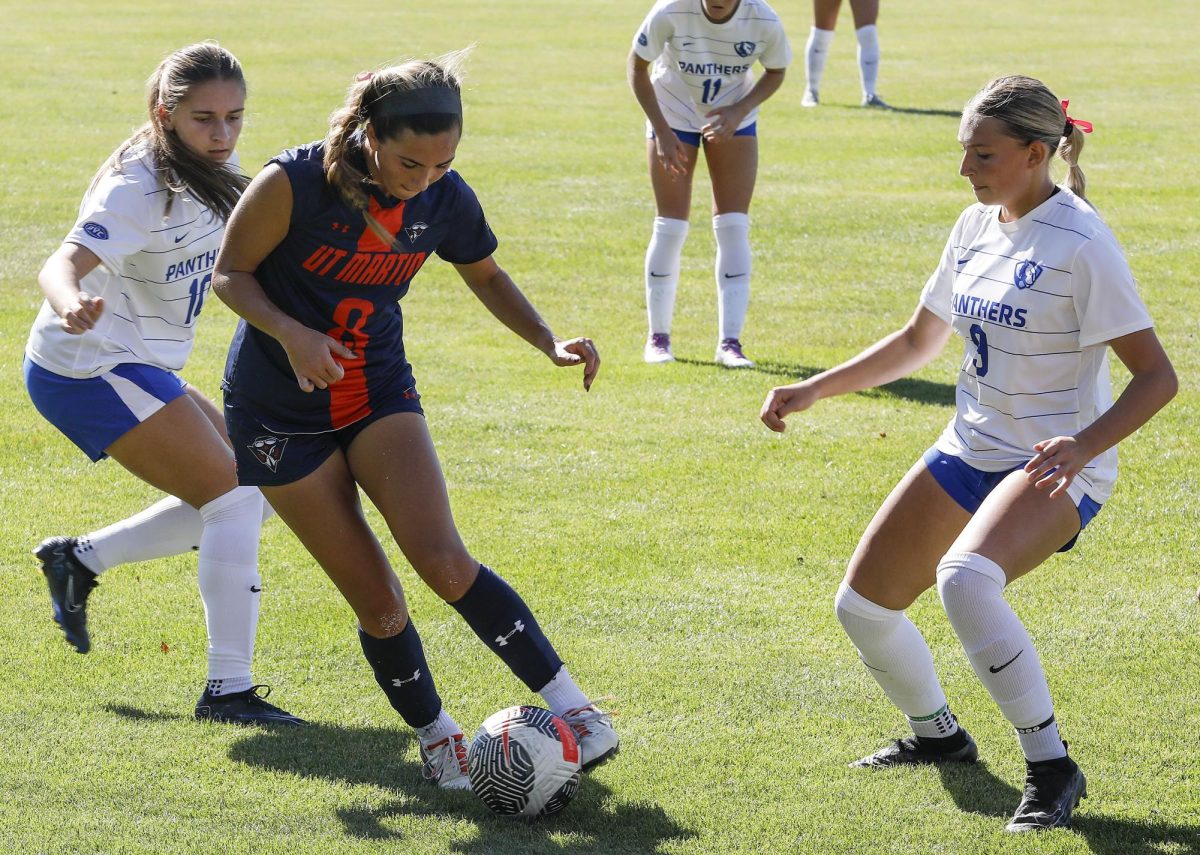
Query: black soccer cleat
(248, 707)
(1053, 788)
(70, 583)
(914, 750)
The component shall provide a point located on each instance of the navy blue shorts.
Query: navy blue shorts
(970, 486)
(694, 138)
(268, 457)
(94, 412)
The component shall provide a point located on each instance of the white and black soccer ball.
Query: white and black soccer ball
(524, 762)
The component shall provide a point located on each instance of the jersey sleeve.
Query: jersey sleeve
(938, 294)
(1105, 293)
(471, 238)
(116, 219)
(652, 35)
(778, 53)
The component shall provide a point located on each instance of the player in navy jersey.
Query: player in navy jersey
(690, 70)
(320, 398)
(123, 294)
(1037, 287)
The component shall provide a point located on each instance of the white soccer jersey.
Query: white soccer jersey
(699, 65)
(1035, 301)
(155, 274)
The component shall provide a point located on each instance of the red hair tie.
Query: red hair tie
(364, 75)
(1086, 127)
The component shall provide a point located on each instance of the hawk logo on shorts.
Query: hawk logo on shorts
(1026, 273)
(415, 231)
(269, 451)
(96, 230)
(745, 48)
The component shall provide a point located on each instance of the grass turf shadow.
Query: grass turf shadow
(377, 756)
(976, 790)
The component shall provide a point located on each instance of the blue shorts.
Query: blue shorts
(694, 138)
(269, 457)
(970, 486)
(94, 412)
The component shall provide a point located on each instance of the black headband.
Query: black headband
(418, 102)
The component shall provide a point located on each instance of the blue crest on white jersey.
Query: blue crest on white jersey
(744, 48)
(642, 40)
(96, 230)
(1026, 273)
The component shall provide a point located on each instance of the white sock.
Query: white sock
(868, 58)
(561, 694)
(816, 51)
(972, 591)
(442, 727)
(229, 582)
(733, 272)
(230, 685)
(662, 271)
(168, 527)
(895, 653)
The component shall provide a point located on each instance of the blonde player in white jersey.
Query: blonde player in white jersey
(123, 293)
(1038, 288)
(700, 92)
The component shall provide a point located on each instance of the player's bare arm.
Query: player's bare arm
(258, 225)
(59, 280)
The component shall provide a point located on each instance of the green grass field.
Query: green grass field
(682, 557)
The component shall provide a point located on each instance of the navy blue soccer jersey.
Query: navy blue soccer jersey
(333, 273)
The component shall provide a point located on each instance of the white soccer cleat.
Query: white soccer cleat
(658, 349)
(444, 763)
(810, 98)
(598, 741)
(729, 354)
(876, 102)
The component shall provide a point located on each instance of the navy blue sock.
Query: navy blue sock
(506, 625)
(403, 674)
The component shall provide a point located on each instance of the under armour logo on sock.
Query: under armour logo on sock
(502, 640)
(398, 682)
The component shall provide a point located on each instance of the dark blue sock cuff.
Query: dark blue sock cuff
(503, 621)
(403, 674)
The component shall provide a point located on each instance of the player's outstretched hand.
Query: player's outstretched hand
(1057, 462)
(81, 315)
(314, 358)
(786, 399)
(576, 351)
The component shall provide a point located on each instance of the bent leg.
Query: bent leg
(396, 463)
(1015, 529)
(894, 562)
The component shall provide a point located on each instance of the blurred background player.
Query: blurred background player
(321, 400)
(816, 51)
(701, 92)
(123, 295)
(1036, 285)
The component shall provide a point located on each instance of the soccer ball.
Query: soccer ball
(524, 762)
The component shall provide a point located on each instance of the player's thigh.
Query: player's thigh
(825, 13)
(323, 510)
(178, 450)
(733, 169)
(897, 556)
(395, 461)
(1019, 526)
(210, 410)
(866, 12)
(672, 193)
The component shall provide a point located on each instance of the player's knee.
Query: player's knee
(964, 578)
(449, 571)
